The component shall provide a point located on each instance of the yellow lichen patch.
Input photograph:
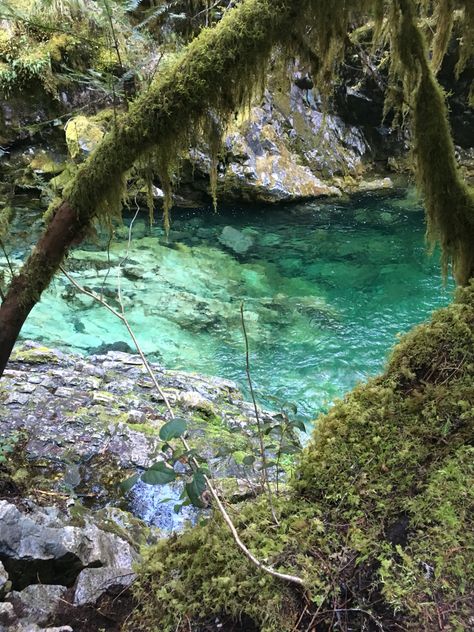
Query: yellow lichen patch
(35, 355)
(82, 136)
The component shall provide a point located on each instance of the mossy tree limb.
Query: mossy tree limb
(215, 76)
(217, 71)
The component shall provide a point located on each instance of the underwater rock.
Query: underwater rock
(105, 347)
(236, 240)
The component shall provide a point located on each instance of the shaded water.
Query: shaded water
(326, 287)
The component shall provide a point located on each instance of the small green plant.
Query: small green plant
(9, 444)
(192, 472)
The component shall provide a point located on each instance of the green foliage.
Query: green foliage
(49, 43)
(173, 429)
(380, 520)
(159, 474)
(8, 445)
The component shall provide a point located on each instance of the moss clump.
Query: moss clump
(201, 574)
(82, 136)
(436, 569)
(379, 523)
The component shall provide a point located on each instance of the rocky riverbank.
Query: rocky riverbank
(72, 429)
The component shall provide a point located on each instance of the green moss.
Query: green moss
(82, 136)
(436, 569)
(383, 493)
(201, 574)
(6, 217)
(35, 355)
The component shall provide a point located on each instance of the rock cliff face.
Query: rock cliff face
(286, 149)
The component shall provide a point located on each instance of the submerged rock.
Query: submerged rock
(236, 240)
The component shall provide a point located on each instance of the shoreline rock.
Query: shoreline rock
(84, 422)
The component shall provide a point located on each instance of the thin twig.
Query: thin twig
(265, 475)
(10, 267)
(113, 33)
(227, 519)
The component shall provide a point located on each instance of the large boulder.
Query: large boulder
(38, 603)
(82, 136)
(92, 583)
(43, 546)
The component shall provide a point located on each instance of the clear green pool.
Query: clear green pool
(327, 288)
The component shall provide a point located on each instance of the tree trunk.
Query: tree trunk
(35, 276)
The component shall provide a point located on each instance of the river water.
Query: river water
(326, 287)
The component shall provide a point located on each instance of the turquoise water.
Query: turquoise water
(326, 287)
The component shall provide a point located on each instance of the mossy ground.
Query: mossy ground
(379, 521)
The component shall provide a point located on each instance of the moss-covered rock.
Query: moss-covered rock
(82, 136)
(379, 523)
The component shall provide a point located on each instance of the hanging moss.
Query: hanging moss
(6, 217)
(449, 201)
(216, 75)
(221, 69)
(444, 18)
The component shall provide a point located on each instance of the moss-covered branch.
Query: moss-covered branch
(215, 76)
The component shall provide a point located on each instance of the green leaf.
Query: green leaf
(298, 424)
(290, 449)
(195, 488)
(248, 460)
(159, 474)
(173, 429)
(128, 483)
